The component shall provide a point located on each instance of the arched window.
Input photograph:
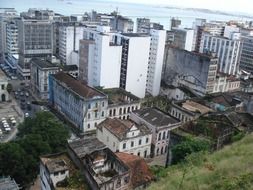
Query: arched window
(88, 125)
(164, 135)
(159, 136)
(162, 150)
(157, 151)
(120, 111)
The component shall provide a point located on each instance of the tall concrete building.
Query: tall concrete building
(100, 58)
(226, 49)
(35, 40)
(69, 37)
(183, 38)
(246, 56)
(144, 25)
(134, 62)
(6, 14)
(155, 64)
(193, 70)
(122, 24)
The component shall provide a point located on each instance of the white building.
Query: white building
(183, 38)
(69, 37)
(54, 169)
(125, 136)
(226, 49)
(134, 62)
(246, 56)
(4, 95)
(155, 64)
(40, 71)
(6, 14)
(226, 83)
(84, 106)
(100, 58)
(121, 103)
(160, 124)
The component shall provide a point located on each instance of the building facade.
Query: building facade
(35, 40)
(155, 64)
(183, 38)
(4, 95)
(121, 103)
(133, 77)
(84, 106)
(40, 71)
(226, 49)
(195, 71)
(69, 37)
(98, 55)
(160, 125)
(125, 136)
(246, 56)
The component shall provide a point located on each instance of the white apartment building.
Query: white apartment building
(134, 62)
(54, 168)
(155, 64)
(226, 49)
(160, 124)
(125, 136)
(69, 37)
(6, 14)
(100, 58)
(183, 38)
(12, 37)
(84, 106)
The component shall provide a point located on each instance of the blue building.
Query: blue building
(82, 105)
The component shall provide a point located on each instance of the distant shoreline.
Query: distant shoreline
(208, 11)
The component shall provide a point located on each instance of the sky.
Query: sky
(223, 5)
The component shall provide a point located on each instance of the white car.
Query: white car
(7, 129)
(27, 115)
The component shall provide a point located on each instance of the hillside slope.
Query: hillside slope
(228, 169)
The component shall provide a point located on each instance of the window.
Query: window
(110, 113)
(164, 135)
(103, 104)
(88, 116)
(55, 173)
(102, 114)
(124, 146)
(128, 109)
(95, 124)
(62, 172)
(88, 125)
(145, 153)
(124, 110)
(96, 114)
(114, 112)
(2, 86)
(120, 111)
(138, 153)
(132, 133)
(132, 143)
(140, 142)
(88, 106)
(147, 140)
(159, 136)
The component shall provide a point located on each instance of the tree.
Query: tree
(37, 136)
(9, 88)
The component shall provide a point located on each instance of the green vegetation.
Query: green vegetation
(40, 135)
(160, 102)
(227, 169)
(188, 146)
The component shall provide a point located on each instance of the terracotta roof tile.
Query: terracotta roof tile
(139, 171)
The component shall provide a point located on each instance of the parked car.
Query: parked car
(27, 94)
(27, 115)
(14, 77)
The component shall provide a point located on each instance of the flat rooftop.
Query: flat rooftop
(77, 86)
(119, 96)
(156, 117)
(194, 106)
(135, 34)
(8, 184)
(44, 64)
(85, 146)
(55, 163)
